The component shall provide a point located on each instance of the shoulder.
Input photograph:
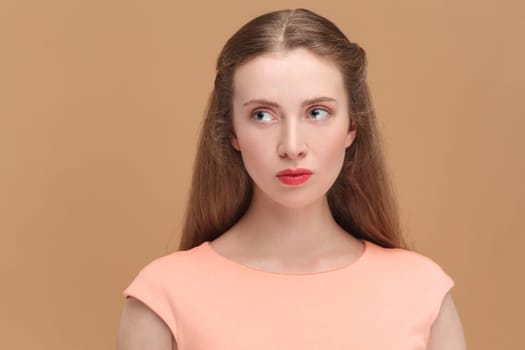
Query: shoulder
(161, 284)
(178, 263)
(415, 277)
(411, 274)
(406, 263)
(162, 279)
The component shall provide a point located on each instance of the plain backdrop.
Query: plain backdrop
(101, 103)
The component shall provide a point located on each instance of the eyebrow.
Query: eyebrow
(305, 102)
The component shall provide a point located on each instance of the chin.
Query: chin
(297, 202)
(293, 198)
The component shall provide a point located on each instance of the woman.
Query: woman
(291, 238)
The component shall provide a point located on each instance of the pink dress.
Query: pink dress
(387, 299)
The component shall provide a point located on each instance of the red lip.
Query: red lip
(294, 176)
(294, 172)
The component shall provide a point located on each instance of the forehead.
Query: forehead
(288, 75)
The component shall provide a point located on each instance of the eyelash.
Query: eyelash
(254, 113)
(328, 113)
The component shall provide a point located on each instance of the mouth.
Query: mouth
(294, 176)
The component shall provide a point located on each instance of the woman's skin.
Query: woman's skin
(290, 111)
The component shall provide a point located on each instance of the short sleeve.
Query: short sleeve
(149, 286)
(438, 284)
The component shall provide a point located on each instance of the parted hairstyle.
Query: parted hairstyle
(361, 200)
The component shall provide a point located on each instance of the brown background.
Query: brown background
(101, 103)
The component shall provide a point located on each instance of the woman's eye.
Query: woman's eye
(318, 113)
(262, 116)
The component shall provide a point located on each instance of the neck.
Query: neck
(283, 231)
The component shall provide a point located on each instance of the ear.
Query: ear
(350, 136)
(235, 143)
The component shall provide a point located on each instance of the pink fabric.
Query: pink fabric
(387, 299)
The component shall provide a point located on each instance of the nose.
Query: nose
(292, 144)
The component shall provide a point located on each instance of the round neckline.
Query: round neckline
(352, 265)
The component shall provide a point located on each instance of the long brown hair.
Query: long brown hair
(361, 200)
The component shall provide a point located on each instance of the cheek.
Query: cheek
(255, 151)
(336, 150)
(331, 167)
(332, 153)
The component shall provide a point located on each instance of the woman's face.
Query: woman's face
(290, 112)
